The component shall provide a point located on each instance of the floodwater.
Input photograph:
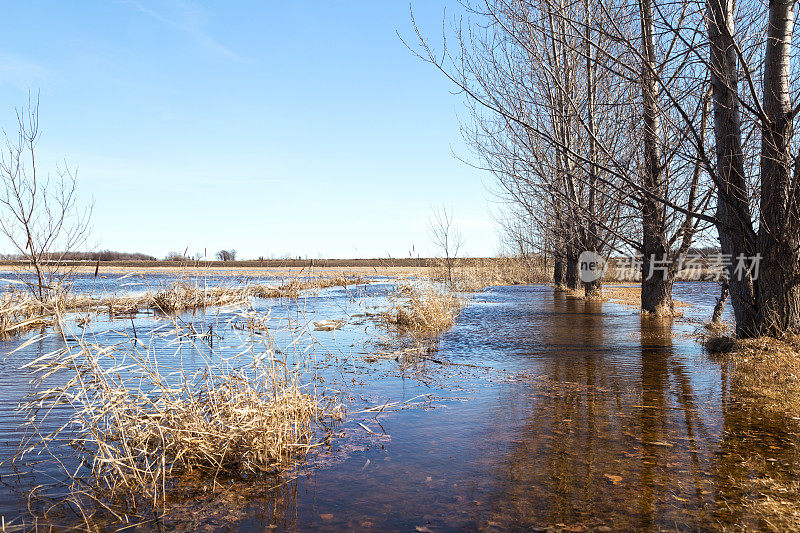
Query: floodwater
(538, 411)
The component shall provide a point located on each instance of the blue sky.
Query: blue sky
(299, 127)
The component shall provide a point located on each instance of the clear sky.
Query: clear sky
(301, 127)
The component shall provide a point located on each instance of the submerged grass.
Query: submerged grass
(143, 427)
(764, 371)
(763, 388)
(631, 296)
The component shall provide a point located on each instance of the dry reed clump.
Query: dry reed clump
(140, 426)
(19, 312)
(423, 309)
(182, 296)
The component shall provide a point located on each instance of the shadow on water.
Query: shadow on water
(583, 416)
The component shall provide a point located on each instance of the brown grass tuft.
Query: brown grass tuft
(20, 311)
(423, 309)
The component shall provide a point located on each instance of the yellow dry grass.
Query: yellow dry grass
(423, 309)
(477, 274)
(140, 424)
(762, 371)
(763, 384)
(631, 296)
(20, 311)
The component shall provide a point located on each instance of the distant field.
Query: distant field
(268, 267)
(335, 267)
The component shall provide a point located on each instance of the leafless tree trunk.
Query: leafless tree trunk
(656, 289)
(559, 272)
(719, 307)
(778, 285)
(734, 223)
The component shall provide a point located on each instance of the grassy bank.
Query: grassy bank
(763, 371)
(477, 274)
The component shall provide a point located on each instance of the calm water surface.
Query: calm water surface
(540, 411)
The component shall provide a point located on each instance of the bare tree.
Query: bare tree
(445, 236)
(40, 215)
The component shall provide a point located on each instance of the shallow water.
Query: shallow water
(542, 411)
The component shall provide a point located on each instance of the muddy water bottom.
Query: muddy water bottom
(542, 411)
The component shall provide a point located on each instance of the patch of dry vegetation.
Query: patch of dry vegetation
(763, 385)
(182, 296)
(628, 295)
(631, 296)
(763, 371)
(20, 311)
(423, 309)
(771, 503)
(141, 427)
(477, 274)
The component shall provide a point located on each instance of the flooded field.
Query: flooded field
(537, 411)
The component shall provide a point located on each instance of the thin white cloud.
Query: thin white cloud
(190, 19)
(20, 71)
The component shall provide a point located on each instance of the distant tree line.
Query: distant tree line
(103, 255)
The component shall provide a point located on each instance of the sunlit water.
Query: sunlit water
(539, 410)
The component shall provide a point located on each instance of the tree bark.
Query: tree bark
(572, 277)
(719, 307)
(734, 223)
(559, 272)
(656, 283)
(594, 289)
(657, 293)
(778, 287)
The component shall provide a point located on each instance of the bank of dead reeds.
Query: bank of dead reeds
(470, 275)
(141, 424)
(19, 312)
(182, 296)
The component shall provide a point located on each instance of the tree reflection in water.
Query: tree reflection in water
(616, 434)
